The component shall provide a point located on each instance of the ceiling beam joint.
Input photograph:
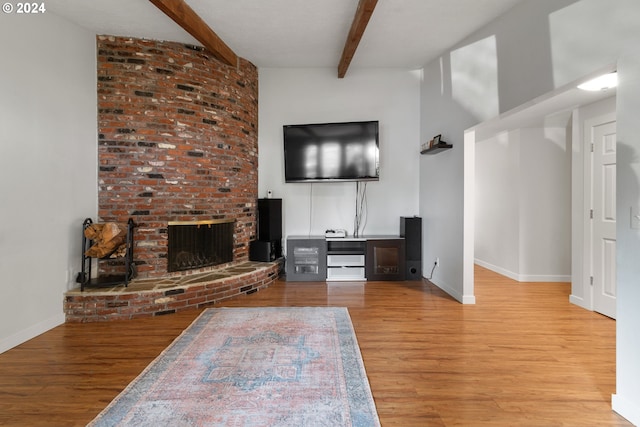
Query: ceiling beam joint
(191, 22)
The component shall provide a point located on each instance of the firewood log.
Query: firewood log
(107, 238)
(93, 231)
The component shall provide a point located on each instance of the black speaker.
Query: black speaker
(265, 251)
(269, 219)
(413, 270)
(411, 230)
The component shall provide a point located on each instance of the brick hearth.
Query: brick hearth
(159, 296)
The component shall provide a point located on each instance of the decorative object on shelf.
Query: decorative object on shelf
(434, 146)
(335, 233)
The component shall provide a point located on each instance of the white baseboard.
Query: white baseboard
(579, 301)
(563, 278)
(627, 409)
(464, 299)
(523, 277)
(496, 269)
(31, 332)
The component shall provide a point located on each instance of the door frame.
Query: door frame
(586, 141)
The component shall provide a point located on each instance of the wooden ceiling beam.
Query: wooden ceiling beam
(359, 24)
(188, 19)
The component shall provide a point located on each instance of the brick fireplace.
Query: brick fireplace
(177, 142)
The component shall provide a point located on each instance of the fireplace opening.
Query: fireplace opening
(196, 244)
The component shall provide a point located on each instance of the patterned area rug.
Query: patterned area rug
(298, 366)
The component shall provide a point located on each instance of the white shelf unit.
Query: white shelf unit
(346, 259)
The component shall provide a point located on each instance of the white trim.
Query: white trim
(541, 278)
(31, 332)
(496, 269)
(524, 277)
(626, 408)
(468, 299)
(587, 206)
(464, 299)
(468, 217)
(579, 216)
(580, 302)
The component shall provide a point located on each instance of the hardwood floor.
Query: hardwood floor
(522, 356)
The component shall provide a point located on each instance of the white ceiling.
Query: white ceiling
(300, 33)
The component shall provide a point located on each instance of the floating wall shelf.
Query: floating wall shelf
(437, 148)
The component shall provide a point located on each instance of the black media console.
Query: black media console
(316, 258)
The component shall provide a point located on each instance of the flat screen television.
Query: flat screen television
(325, 152)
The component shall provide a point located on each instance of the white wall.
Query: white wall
(297, 96)
(627, 398)
(523, 204)
(497, 238)
(536, 47)
(48, 167)
(545, 204)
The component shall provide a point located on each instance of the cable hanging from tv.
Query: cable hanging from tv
(360, 220)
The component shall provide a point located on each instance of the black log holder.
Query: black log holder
(85, 278)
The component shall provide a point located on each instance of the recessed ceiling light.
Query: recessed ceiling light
(604, 82)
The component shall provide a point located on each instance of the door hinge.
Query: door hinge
(593, 147)
(591, 213)
(591, 280)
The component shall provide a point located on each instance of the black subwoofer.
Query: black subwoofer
(265, 251)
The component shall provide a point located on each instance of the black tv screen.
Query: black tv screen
(331, 152)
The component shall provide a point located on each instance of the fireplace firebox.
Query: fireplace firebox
(197, 244)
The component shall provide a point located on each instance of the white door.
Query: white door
(604, 216)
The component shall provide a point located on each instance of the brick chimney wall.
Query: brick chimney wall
(177, 142)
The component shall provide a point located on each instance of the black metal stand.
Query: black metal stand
(84, 277)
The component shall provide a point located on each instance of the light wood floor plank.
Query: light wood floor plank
(522, 356)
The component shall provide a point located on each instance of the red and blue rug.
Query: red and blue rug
(245, 367)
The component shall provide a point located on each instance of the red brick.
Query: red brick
(133, 139)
